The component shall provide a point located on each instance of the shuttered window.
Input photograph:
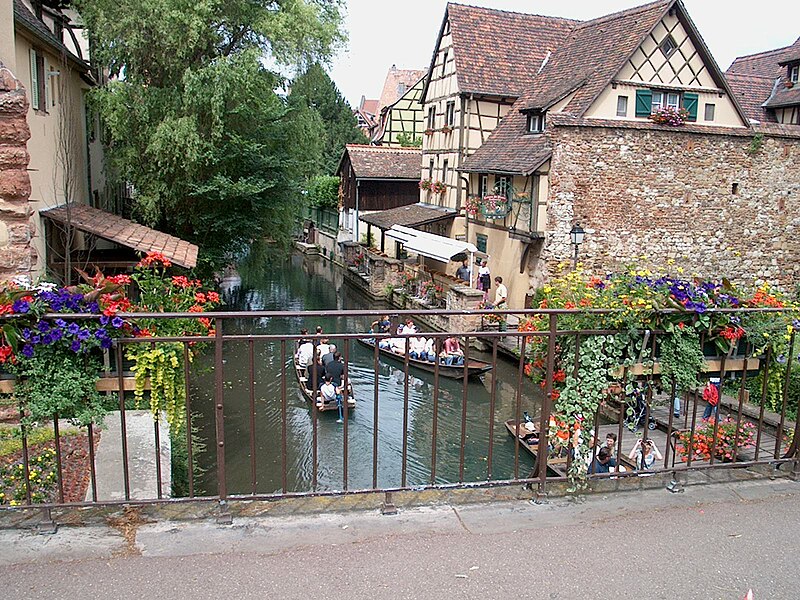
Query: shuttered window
(690, 104)
(644, 103)
(34, 80)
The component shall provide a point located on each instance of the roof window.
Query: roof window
(668, 46)
(535, 123)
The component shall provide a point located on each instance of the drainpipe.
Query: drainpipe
(355, 225)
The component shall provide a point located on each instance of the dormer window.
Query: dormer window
(794, 73)
(668, 46)
(536, 122)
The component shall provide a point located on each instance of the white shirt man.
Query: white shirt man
(501, 293)
(328, 391)
(305, 354)
(323, 348)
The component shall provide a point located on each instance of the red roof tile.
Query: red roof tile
(397, 83)
(497, 52)
(124, 232)
(752, 92)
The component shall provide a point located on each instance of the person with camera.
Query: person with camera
(645, 453)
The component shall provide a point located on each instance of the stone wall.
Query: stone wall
(17, 256)
(719, 205)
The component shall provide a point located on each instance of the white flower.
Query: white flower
(22, 281)
(46, 286)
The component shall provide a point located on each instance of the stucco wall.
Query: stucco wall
(670, 195)
(16, 254)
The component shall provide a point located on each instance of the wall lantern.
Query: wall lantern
(576, 235)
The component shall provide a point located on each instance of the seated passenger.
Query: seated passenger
(381, 325)
(409, 327)
(315, 375)
(335, 369)
(453, 355)
(645, 458)
(385, 344)
(326, 358)
(323, 348)
(305, 354)
(430, 350)
(416, 347)
(329, 392)
(398, 345)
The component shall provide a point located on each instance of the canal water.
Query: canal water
(301, 283)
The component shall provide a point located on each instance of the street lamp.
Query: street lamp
(576, 234)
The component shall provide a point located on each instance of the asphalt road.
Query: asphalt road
(710, 542)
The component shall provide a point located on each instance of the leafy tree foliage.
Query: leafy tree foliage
(323, 191)
(407, 140)
(214, 153)
(315, 90)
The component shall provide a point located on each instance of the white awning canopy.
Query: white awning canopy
(435, 246)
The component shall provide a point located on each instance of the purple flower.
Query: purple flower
(105, 343)
(26, 333)
(73, 328)
(35, 339)
(104, 320)
(21, 306)
(60, 323)
(43, 326)
(27, 350)
(47, 339)
(117, 322)
(100, 334)
(75, 346)
(84, 334)
(56, 334)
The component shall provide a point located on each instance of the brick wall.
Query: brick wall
(16, 253)
(670, 195)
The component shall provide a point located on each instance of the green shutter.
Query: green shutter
(34, 81)
(644, 103)
(690, 104)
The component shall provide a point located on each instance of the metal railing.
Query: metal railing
(677, 428)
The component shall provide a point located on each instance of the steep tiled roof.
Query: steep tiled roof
(384, 162)
(412, 215)
(397, 83)
(28, 21)
(751, 92)
(748, 72)
(497, 52)
(124, 232)
(510, 149)
(592, 54)
(763, 64)
(369, 106)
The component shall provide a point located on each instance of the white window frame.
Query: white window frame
(672, 100)
(484, 186)
(450, 114)
(445, 169)
(669, 39)
(709, 108)
(656, 105)
(794, 73)
(431, 117)
(622, 106)
(536, 122)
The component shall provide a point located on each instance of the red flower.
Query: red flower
(559, 376)
(6, 309)
(153, 258)
(120, 279)
(6, 353)
(196, 308)
(569, 305)
(181, 281)
(200, 298)
(212, 297)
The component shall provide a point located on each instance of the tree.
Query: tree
(314, 89)
(196, 125)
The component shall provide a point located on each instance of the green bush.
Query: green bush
(323, 191)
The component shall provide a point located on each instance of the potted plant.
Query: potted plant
(425, 184)
(447, 129)
(429, 131)
(438, 187)
(674, 117)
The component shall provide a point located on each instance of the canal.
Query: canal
(301, 283)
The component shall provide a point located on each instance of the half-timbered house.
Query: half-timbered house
(574, 138)
(402, 121)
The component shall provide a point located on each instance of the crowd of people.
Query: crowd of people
(418, 347)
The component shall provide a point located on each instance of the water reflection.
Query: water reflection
(302, 283)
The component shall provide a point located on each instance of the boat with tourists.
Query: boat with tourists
(473, 368)
(316, 398)
(528, 436)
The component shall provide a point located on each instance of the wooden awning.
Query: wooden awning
(124, 232)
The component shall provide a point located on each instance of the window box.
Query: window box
(494, 206)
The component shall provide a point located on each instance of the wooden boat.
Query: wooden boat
(557, 466)
(474, 368)
(305, 388)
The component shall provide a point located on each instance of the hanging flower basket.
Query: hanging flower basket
(674, 117)
(438, 187)
(425, 184)
(495, 206)
(429, 131)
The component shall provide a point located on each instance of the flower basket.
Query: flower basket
(425, 184)
(674, 117)
(429, 131)
(438, 187)
(447, 129)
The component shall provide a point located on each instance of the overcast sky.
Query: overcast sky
(403, 32)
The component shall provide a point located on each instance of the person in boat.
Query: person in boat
(335, 369)
(409, 327)
(315, 375)
(416, 348)
(398, 345)
(382, 325)
(326, 358)
(304, 338)
(453, 354)
(331, 393)
(319, 329)
(430, 350)
(323, 348)
(385, 344)
(305, 354)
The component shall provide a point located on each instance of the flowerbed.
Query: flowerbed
(726, 444)
(683, 310)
